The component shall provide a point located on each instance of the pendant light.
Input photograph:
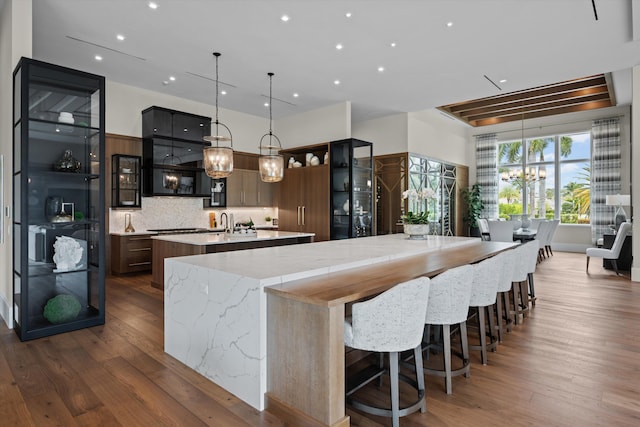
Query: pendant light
(218, 160)
(271, 163)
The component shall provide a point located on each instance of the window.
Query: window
(549, 179)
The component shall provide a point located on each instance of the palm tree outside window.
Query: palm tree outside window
(549, 179)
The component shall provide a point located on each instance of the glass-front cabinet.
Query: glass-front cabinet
(351, 188)
(58, 199)
(125, 181)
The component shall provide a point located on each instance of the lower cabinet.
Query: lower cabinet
(131, 254)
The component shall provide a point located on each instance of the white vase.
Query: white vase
(416, 231)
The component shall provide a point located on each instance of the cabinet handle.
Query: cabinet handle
(139, 249)
(298, 215)
(134, 264)
(304, 210)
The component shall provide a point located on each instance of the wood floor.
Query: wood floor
(574, 362)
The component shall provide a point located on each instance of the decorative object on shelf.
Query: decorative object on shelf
(346, 183)
(292, 160)
(619, 200)
(52, 207)
(68, 253)
(66, 117)
(326, 157)
(218, 186)
(128, 226)
(416, 220)
(63, 215)
(62, 308)
(67, 163)
(315, 161)
(218, 160)
(271, 163)
(345, 206)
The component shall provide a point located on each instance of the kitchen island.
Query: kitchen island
(216, 312)
(175, 245)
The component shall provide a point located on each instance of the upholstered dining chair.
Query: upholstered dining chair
(501, 231)
(486, 277)
(391, 322)
(547, 243)
(449, 305)
(543, 232)
(483, 225)
(613, 253)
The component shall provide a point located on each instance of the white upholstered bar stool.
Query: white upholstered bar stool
(486, 276)
(531, 257)
(526, 256)
(507, 268)
(391, 322)
(449, 305)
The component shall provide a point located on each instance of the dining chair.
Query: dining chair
(483, 225)
(547, 243)
(391, 322)
(486, 277)
(613, 253)
(501, 231)
(535, 222)
(449, 305)
(542, 232)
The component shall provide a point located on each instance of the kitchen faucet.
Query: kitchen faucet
(226, 221)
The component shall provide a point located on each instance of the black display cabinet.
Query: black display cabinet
(58, 199)
(172, 153)
(125, 181)
(351, 188)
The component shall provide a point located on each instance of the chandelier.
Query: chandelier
(218, 160)
(271, 163)
(529, 175)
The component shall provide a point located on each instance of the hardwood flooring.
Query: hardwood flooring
(575, 361)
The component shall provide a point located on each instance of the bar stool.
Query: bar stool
(486, 277)
(391, 322)
(526, 255)
(507, 267)
(449, 305)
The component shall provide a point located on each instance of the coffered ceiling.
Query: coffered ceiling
(389, 56)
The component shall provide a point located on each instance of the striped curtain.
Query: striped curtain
(487, 172)
(606, 162)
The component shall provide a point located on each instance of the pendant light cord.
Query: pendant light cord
(270, 102)
(217, 55)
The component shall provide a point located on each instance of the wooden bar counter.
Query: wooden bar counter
(305, 329)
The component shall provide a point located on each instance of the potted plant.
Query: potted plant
(416, 221)
(473, 199)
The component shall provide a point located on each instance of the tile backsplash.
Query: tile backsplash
(181, 212)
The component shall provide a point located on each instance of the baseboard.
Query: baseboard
(570, 247)
(5, 312)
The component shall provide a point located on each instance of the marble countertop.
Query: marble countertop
(205, 239)
(283, 263)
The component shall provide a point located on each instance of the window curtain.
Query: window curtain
(605, 173)
(487, 172)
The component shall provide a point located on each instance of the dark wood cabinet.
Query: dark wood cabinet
(58, 199)
(131, 254)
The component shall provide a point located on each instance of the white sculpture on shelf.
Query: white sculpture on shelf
(68, 252)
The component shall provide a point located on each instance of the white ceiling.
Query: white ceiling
(528, 42)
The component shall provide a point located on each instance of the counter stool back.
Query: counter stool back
(391, 322)
(486, 277)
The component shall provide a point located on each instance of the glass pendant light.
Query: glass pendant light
(271, 163)
(218, 160)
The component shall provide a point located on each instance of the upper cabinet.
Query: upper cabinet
(58, 199)
(172, 159)
(245, 188)
(125, 181)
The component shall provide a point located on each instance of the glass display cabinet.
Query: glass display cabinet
(125, 181)
(58, 199)
(351, 188)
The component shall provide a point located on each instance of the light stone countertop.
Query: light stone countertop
(205, 239)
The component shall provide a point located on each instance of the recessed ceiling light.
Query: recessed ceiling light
(336, 82)
(173, 79)
(266, 104)
(98, 58)
(339, 46)
(348, 14)
(295, 95)
(165, 82)
(503, 81)
(223, 92)
(393, 44)
(284, 18)
(380, 69)
(120, 37)
(153, 5)
(449, 24)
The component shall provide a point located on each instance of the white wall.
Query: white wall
(435, 135)
(389, 134)
(314, 127)
(124, 105)
(15, 42)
